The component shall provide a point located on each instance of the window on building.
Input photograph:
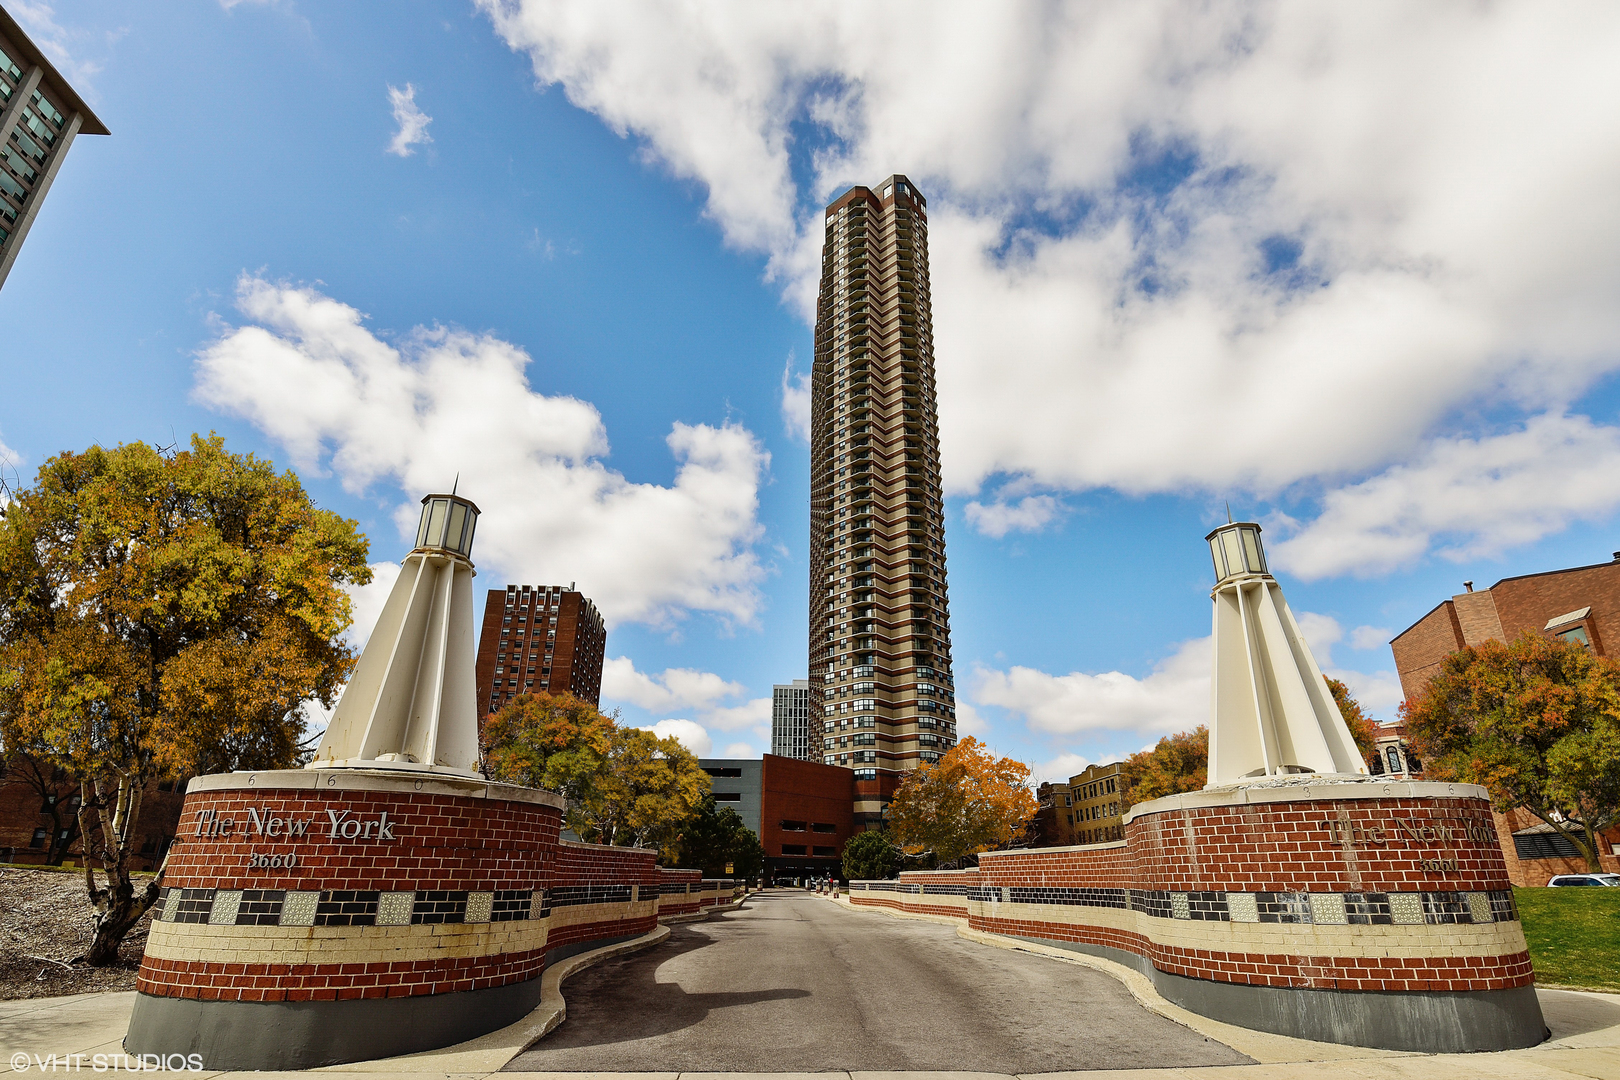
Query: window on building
(793, 826)
(1393, 753)
(39, 838)
(822, 826)
(731, 770)
(1577, 634)
(825, 852)
(728, 796)
(793, 849)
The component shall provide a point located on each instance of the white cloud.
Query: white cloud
(741, 750)
(415, 411)
(1174, 697)
(413, 122)
(1455, 498)
(39, 20)
(1370, 637)
(795, 402)
(691, 735)
(1030, 514)
(1059, 769)
(1174, 245)
(684, 690)
(676, 688)
(1379, 692)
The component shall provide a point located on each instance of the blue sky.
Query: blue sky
(1181, 256)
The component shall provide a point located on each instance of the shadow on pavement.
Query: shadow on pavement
(661, 1007)
(1568, 1014)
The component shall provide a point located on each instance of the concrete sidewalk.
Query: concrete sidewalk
(1585, 1041)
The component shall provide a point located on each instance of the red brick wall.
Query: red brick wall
(1377, 845)
(1420, 649)
(439, 842)
(1526, 603)
(807, 791)
(21, 813)
(1535, 873)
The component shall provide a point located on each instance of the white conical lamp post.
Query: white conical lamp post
(1272, 712)
(412, 703)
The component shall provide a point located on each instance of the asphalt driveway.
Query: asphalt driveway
(792, 983)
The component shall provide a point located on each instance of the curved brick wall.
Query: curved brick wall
(1370, 913)
(314, 917)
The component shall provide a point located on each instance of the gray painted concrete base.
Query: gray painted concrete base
(284, 1035)
(1425, 1022)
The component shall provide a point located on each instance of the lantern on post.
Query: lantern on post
(1271, 711)
(412, 702)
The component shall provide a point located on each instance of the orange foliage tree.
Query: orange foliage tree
(1180, 762)
(967, 803)
(165, 614)
(1537, 723)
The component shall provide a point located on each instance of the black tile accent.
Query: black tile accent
(1503, 907)
(260, 907)
(670, 888)
(162, 900)
(192, 905)
(574, 895)
(1446, 907)
(347, 907)
(1152, 902)
(1284, 907)
(946, 890)
(439, 906)
(1367, 909)
(511, 905)
(1108, 898)
(1207, 906)
(984, 894)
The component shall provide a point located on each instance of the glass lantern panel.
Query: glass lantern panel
(435, 526)
(458, 521)
(1251, 548)
(1234, 551)
(472, 525)
(422, 529)
(1215, 553)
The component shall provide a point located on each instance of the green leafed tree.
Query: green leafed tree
(165, 614)
(717, 838)
(871, 856)
(1537, 723)
(552, 741)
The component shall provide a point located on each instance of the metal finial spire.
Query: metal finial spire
(1228, 510)
(458, 484)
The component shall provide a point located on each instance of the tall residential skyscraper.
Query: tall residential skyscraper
(539, 637)
(880, 639)
(40, 116)
(790, 720)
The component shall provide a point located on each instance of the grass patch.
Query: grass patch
(1573, 934)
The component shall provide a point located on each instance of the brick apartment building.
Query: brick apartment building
(1086, 810)
(802, 811)
(539, 637)
(39, 824)
(1580, 604)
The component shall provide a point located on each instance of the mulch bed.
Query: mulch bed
(45, 926)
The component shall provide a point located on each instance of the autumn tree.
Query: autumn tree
(967, 803)
(870, 855)
(648, 792)
(1178, 763)
(553, 741)
(165, 614)
(1362, 728)
(1537, 723)
(717, 838)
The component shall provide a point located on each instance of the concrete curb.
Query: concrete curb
(491, 1052)
(699, 916)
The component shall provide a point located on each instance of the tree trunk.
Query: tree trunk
(119, 906)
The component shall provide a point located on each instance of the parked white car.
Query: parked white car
(1567, 880)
